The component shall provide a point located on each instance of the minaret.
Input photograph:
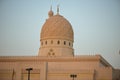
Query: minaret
(56, 37)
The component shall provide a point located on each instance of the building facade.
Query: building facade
(56, 59)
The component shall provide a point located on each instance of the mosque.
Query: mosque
(56, 59)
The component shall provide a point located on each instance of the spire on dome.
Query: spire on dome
(50, 13)
(57, 9)
(51, 8)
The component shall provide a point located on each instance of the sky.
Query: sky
(96, 26)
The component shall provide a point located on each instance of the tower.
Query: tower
(56, 37)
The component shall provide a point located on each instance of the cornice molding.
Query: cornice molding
(48, 59)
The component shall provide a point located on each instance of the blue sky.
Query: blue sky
(96, 25)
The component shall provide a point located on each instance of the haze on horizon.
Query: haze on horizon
(96, 25)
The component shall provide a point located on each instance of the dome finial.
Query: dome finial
(57, 9)
(50, 13)
(51, 8)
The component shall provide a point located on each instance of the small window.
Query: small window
(64, 42)
(46, 42)
(58, 42)
(69, 43)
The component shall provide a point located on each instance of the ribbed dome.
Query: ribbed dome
(57, 27)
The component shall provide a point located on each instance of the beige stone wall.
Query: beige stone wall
(56, 47)
(6, 74)
(72, 65)
(116, 74)
(51, 68)
(65, 74)
(16, 70)
(34, 74)
(63, 70)
(104, 73)
(56, 51)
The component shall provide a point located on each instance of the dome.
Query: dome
(56, 37)
(57, 27)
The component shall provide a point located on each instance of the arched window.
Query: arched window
(64, 42)
(46, 42)
(58, 42)
(69, 43)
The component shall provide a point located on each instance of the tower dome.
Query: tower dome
(57, 27)
(56, 37)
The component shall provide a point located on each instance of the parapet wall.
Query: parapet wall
(105, 73)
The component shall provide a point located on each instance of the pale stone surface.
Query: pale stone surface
(57, 27)
(56, 59)
(57, 68)
(57, 37)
